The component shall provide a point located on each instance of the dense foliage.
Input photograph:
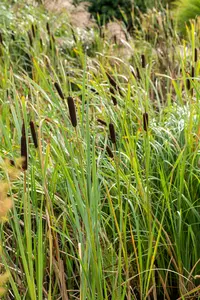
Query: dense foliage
(106, 199)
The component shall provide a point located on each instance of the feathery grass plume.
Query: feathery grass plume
(102, 122)
(48, 29)
(145, 121)
(72, 111)
(58, 88)
(33, 30)
(30, 38)
(112, 133)
(143, 61)
(34, 134)
(113, 97)
(195, 55)
(24, 154)
(109, 151)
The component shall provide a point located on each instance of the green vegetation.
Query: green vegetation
(109, 206)
(187, 10)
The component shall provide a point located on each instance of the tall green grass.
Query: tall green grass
(88, 222)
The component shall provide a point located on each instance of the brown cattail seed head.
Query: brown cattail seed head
(24, 149)
(72, 111)
(34, 134)
(109, 151)
(112, 133)
(188, 85)
(145, 121)
(112, 81)
(33, 30)
(12, 35)
(113, 97)
(1, 38)
(30, 38)
(143, 61)
(195, 54)
(193, 72)
(58, 88)
(102, 122)
(48, 28)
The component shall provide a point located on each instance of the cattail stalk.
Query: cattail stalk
(34, 134)
(72, 111)
(112, 133)
(58, 88)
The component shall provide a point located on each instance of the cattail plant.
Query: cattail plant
(138, 73)
(193, 72)
(41, 42)
(24, 149)
(143, 61)
(1, 38)
(30, 38)
(113, 83)
(113, 97)
(145, 121)
(34, 134)
(112, 133)
(12, 35)
(195, 55)
(72, 111)
(33, 30)
(58, 88)
(109, 151)
(102, 122)
(188, 84)
(48, 29)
